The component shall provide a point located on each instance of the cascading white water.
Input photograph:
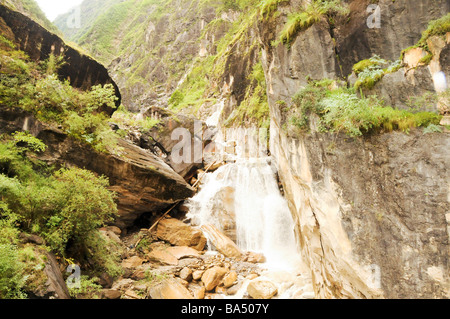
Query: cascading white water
(246, 194)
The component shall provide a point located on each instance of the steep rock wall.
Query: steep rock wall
(371, 213)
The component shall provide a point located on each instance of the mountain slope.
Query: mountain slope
(89, 11)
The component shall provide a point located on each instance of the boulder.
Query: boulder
(198, 291)
(197, 275)
(163, 257)
(180, 234)
(169, 289)
(222, 243)
(255, 258)
(213, 277)
(230, 279)
(186, 274)
(111, 294)
(132, 262)
(181, 252)
(262, 289)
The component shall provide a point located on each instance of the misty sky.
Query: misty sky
(53, 8)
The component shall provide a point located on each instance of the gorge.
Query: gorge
(323, 129)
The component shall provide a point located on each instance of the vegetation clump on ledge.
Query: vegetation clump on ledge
(372, 70)
(341, 110)
(305, 18)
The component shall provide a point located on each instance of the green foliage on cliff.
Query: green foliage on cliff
(372, 70)
(254, 109)
(341, 110)
(49, 202)
(35, 88)
(306, 17)
(268, 7)
(11, 273)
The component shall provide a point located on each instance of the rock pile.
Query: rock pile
(170, 263)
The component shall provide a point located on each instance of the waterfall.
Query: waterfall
(244, 201)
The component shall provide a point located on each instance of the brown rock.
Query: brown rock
(221, 290)
(180, 234)
(170, 289)
(183, 252)
(131, 294)
(198, 291)
(230, 279)
(222, 243)
(234, 289)
(111, 294)
(163, 257)
(261, 289)
(197, 275)
(132, 262)
(212, 277)
(186, 274)
(255, 258)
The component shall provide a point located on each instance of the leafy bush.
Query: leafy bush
(30, 141)
(432, 128)
(104, 255)
(89, 289)
(64, 206)
(38, 90)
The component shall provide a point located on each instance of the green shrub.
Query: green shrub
(38, 90)
(64, 206)
(67, 219)
(11, 277)
(104, 255)
(432, 128)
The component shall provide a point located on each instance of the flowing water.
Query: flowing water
(244, 197)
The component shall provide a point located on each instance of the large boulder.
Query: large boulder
(222, 243)
(169, 289)
(213, 277)
(178, 233)
(262, 289)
